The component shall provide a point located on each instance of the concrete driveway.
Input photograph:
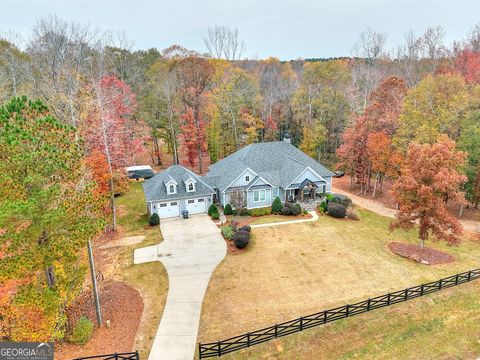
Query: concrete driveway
(190, 252)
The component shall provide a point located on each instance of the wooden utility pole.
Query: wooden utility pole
(94, 284)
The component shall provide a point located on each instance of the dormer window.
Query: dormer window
(247, 178)
(171, 189)
(191, 187)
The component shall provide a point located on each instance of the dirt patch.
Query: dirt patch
(126, 241)
(122, 305)
(427, 256)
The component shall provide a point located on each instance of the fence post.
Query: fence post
(301, 323)
(368, 304)
(440, 285)
(219, 348)
(325, 317)
(137, 355)
(421, 290)
(348, 310)
(199, 351)
(116, 356)
(469, 275)
(406, 294)
(456, 279)
(388, 299)
(248, 339)
(276, 330)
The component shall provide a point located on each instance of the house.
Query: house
(263, 171)
(139, 172)
(259, 173)
(170, 192)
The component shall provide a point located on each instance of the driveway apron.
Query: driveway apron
(190, 251)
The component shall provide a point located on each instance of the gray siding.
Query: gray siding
(256, 204)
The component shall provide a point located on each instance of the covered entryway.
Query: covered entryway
(168, 209)
(196, 206)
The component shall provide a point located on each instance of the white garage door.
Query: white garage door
(196, 206)
(168, 209)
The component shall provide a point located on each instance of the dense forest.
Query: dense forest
(357, 114)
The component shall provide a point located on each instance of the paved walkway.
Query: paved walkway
(190, 252)
(313, 218)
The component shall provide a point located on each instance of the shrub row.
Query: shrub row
(240, 236)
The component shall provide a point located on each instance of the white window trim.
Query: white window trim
(259, 197)
(174, 189)
(188, 186)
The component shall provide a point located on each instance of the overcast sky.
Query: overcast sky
(281, 28)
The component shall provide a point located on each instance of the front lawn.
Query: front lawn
(298, 269)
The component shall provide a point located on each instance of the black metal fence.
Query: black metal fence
(116, 356)
(207, 350)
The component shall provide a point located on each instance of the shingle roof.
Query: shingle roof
(155, 189)
(277, 162)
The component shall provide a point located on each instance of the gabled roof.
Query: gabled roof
(155, 189)
(277, 162)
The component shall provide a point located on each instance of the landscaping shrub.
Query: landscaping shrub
(305, 212)
(296, 209)
(228, 232)
(343, 199)
(246, 228)
(154, 220)
(323, 207)
(286, 210)
(330, 197)
(241, 238)
(215, 216)
(228, 210)
(244, 212)
(276, 206)
(260, 211)
(212, 209)
(82, 332)
(352, 214)
(336, 210)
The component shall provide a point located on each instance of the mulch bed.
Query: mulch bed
(122, 305)
(427, 256)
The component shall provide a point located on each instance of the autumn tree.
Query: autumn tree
(430, 175)
(194, 136)
(111, 129)
(195, 74)
(47, 213)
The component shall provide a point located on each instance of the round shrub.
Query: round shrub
(154, 220)
(247, 228)
(276, 206)
(286, 210)
(212, 209)
(323, 207)
(82, 332)
(241, 238)
(352, 214)
(227, 232)
(296, 209)
(244, 212)
(215, 216)
(336, 210)
(228, 210)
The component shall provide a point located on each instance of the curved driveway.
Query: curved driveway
(190, 252)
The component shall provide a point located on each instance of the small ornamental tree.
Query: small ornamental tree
(277, 206)
(430, 177)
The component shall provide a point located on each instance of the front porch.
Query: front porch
(306, 191)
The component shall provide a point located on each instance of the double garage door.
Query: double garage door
(172, 208)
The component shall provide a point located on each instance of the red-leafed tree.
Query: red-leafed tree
(385, 160)
(270, 129)
(111, 130)
(467, 62)
(430, 175)
(194, 136)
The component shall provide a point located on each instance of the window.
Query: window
(191, 187)
(259, 195)
(171, 189)
(163, 205)
(173, 203)
(247, 178)
(191, 201)
(201, 200)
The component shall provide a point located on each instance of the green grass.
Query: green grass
(443, 325)
(149, 279)
(132, 210)
(298, 269)
(275, 218)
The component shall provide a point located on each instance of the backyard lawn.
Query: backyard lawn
(297, 269)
